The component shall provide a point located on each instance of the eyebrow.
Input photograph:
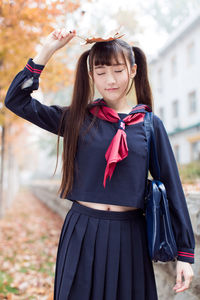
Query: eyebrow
(100, 66)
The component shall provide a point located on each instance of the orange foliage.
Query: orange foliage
(23, 24)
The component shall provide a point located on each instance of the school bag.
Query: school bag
(161, 241)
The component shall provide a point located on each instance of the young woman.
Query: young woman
(103, 252)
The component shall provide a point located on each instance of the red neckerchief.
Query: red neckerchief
(118, 148)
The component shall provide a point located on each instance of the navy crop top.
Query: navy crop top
(127, 185)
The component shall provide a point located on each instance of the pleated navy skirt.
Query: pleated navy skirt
(103, 255)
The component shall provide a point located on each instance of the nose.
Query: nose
(110, 78)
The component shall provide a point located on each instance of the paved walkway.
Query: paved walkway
(29, 235)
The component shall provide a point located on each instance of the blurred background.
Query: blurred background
(168, 32)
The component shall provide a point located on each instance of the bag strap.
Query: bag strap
(149, 129)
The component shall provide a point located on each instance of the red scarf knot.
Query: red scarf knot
(121, 124)
(118, 148)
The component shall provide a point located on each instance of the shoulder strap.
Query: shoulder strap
(149, 129)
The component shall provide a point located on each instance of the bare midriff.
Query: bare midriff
(107, 206)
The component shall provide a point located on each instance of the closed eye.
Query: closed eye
(115, 71)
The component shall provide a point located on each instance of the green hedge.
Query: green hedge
(190, 172)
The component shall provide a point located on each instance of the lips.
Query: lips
(114, 89)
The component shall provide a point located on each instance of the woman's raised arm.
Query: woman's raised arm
(18, 98)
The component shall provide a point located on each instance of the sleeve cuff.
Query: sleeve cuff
(186, 255)
(33, 69)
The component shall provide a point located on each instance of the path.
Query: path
(29, 235)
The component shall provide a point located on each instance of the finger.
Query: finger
(66, 33)
(177, 286)
(72, 31)
(186, 283)
(60, 35)
(62, 31)
(178, 280)
(179, 277)
(57, 32)
(185, 286)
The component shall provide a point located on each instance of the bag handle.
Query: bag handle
(151, 141)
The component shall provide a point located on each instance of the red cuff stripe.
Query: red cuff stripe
(33, 70)
(186, 253)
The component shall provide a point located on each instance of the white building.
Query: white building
(175, 82)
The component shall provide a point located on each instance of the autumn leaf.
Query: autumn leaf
(29, 234)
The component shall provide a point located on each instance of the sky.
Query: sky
(97, 14)
(152, 38)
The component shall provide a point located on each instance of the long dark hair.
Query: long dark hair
(73, 116)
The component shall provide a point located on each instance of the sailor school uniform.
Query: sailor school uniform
(112, 156)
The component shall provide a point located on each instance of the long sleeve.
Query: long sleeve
(19, 100)
(169, 175)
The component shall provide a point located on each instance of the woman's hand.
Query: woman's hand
(58, 38)
(185, 269)
(54, 41)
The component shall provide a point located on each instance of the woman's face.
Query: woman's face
(111, 81)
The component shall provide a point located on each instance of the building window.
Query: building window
(195, 151)
(190, 54)
(173, 65)
(161, 113)
(160, 80)
(192, 102)
(177, 153)
(175, 109)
